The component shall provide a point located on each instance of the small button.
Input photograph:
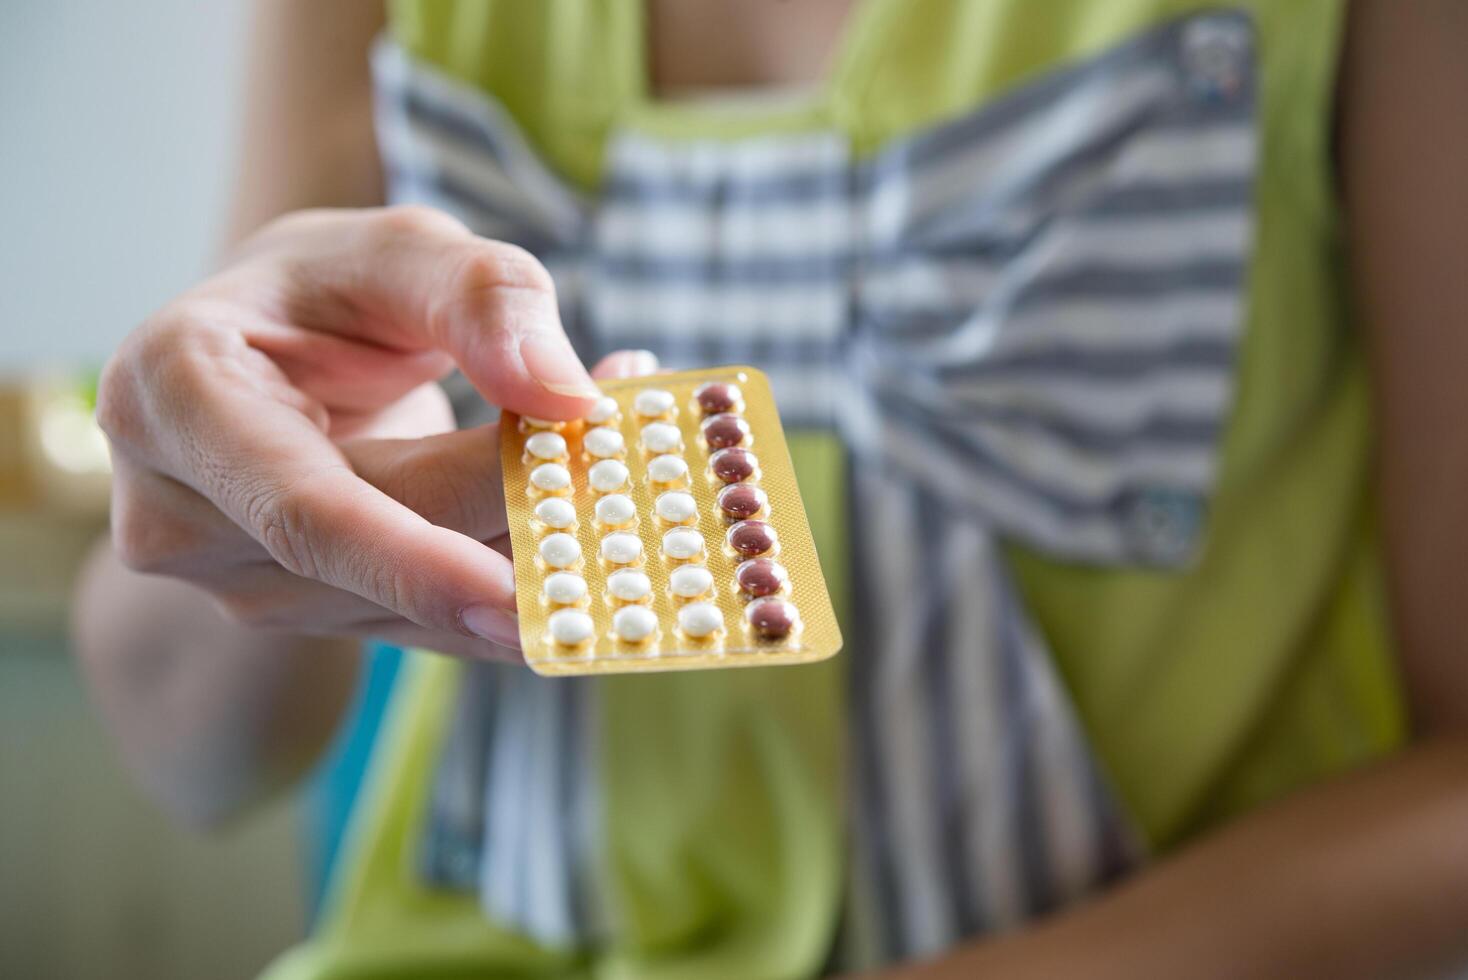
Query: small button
(1215, 57)
(1163, 523)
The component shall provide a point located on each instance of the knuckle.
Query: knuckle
(488, 267)
(122, 387)
(281, 517)
(414, 221)
(118, 413)
(148, 541)
(257, 612)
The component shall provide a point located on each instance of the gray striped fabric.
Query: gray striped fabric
(1023, 323)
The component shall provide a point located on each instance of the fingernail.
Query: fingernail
(554, 365)
(640, 362)
(492, 624)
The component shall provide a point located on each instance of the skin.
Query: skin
(308, 333)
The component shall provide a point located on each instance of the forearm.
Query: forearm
(210, 715)
(1364, 877)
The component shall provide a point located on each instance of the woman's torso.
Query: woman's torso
(1055, 291)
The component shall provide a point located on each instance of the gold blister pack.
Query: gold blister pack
(596, 643)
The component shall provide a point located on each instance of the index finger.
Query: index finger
(412, 278)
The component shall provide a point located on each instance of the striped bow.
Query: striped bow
(1022, 323)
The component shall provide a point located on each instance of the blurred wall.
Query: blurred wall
(116, 143)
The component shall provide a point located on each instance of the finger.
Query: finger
(421, 412)
(453, 479)
(626, 364)
(414, 279)
(225, 423)
(346, 374)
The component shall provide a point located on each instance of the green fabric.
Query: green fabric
(1205, 691)
(723, 850)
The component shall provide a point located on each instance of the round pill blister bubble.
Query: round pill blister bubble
(661, 437)
(550, 477)
(603, 442)
(603, 411)
(772, 618)
(560, 550)
(565, 588)
(653, 402)
(546, 445)
(607, 476)
(752, 538)
(717, 396)
(634, 624)
(676, 506)
(570, 627)
(700, 619)
(621, 548)
(616, 510)
(760, 577)
(556, 512)
(666, 469)
(724, 431)
(682, 543)
(690, 581)
(734, 465)
(629, 585)
(531, 422)
(739, 501)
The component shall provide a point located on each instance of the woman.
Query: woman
(1056, 295)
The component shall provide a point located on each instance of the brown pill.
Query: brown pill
(772, 618)
(760, 577)
(751, 538)
(741, 500)
(716, 397)
(723, 431)
(733, 465)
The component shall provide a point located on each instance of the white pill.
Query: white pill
(629, 585)
(682, 543)
(556, 512)
(560, 550)
(690, 581)
(570, 627)
(604, 410)
(634, 623)
(546, 445)
(700, 619)
(661, 437)
(602, 442)
(550, 476)
(531, 422)
(607, 475)
(615, 509)
(676, 507)
(653, 402)
(666, 469)
(621, 547)
(565, 587)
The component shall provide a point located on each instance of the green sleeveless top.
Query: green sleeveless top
(1263, 668)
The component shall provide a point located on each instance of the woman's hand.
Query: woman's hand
(248, 420)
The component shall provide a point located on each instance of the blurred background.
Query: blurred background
(118, 125)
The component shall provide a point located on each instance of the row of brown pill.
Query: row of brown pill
(760, 578)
